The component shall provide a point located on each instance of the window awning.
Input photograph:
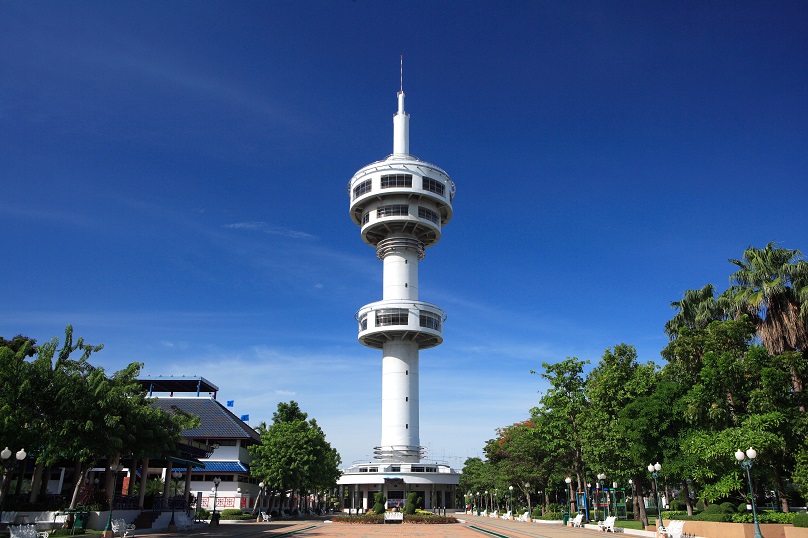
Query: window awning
(217, 467)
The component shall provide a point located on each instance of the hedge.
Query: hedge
(800, 520)
(376, 519)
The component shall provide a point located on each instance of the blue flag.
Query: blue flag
(230, 403)
(245, 418)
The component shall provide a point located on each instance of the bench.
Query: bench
(25, 531)
(608, 524)
(183, 522)
(523, 517)
(8, 517)
(577, 521)
(673, 530)
(266, 517)
(122, 529)
(394, 517)
(44, 520)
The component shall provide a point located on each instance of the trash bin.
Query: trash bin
(566, 518)
(81, 520)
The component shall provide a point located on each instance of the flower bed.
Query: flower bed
(378, 519)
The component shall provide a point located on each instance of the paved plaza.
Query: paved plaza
(472, 526)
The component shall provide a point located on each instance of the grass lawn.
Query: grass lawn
(631, 524)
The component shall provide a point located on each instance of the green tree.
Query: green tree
(561, 412)
(737, 395)
(520, 459)
(293, 453)
(617, 381)
(771, 286)
(695, 310)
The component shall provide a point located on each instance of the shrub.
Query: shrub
(706, 516)
(742, 508)
(800, 520)
(713, 509)
(673, 514)
(411, 504)
(230, 512)
(551, 516)
(536, 512)
(678, 505)
(700, 505)
(428, 518)
(727, 508)
(367, 519)
(201, 513)
(775, 517)
(378, 506)
(234, 514)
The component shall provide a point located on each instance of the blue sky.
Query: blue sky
(173, 184)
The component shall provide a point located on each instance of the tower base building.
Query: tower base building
(401, 205)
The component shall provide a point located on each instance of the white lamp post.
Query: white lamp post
(115, 469)
(260, 499)
(529, 507)
(510, 507)
(601, 478)
(5, 456)
(571, 502)
(746, 461)
(175, 475)
(214, 518)
(654, 469)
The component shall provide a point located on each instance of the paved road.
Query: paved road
(472, 526)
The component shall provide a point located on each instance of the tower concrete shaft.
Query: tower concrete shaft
(401, 205)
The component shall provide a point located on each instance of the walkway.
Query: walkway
(474, 527)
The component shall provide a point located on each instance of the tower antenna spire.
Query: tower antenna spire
(401, 74)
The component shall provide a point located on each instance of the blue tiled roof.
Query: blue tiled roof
(218, 467)
(216, 422)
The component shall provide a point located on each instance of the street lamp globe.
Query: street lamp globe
(750, 453)
(657, 467)
(6, 454)
(650, 467)
(568, 480)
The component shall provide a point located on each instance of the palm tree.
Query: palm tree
(695, 310)
(771, 287)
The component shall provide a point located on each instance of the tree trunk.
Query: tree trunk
(36, 482)
(781, 487)
(141, 496)
(688, 502)
(638, 501)
(4, 485)
(21, 474)
(78, 480)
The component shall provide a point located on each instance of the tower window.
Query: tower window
(392, 316)
(362, 188)
(366, 218)
(392, 210)
(396, 180)
(428, 214)
(430, 320)
(433, 185)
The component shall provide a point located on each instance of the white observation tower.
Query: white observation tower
(400, 205)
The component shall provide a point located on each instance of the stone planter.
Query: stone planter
(795, 532)
(714, 529)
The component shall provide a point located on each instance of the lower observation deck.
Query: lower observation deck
(403, 320)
